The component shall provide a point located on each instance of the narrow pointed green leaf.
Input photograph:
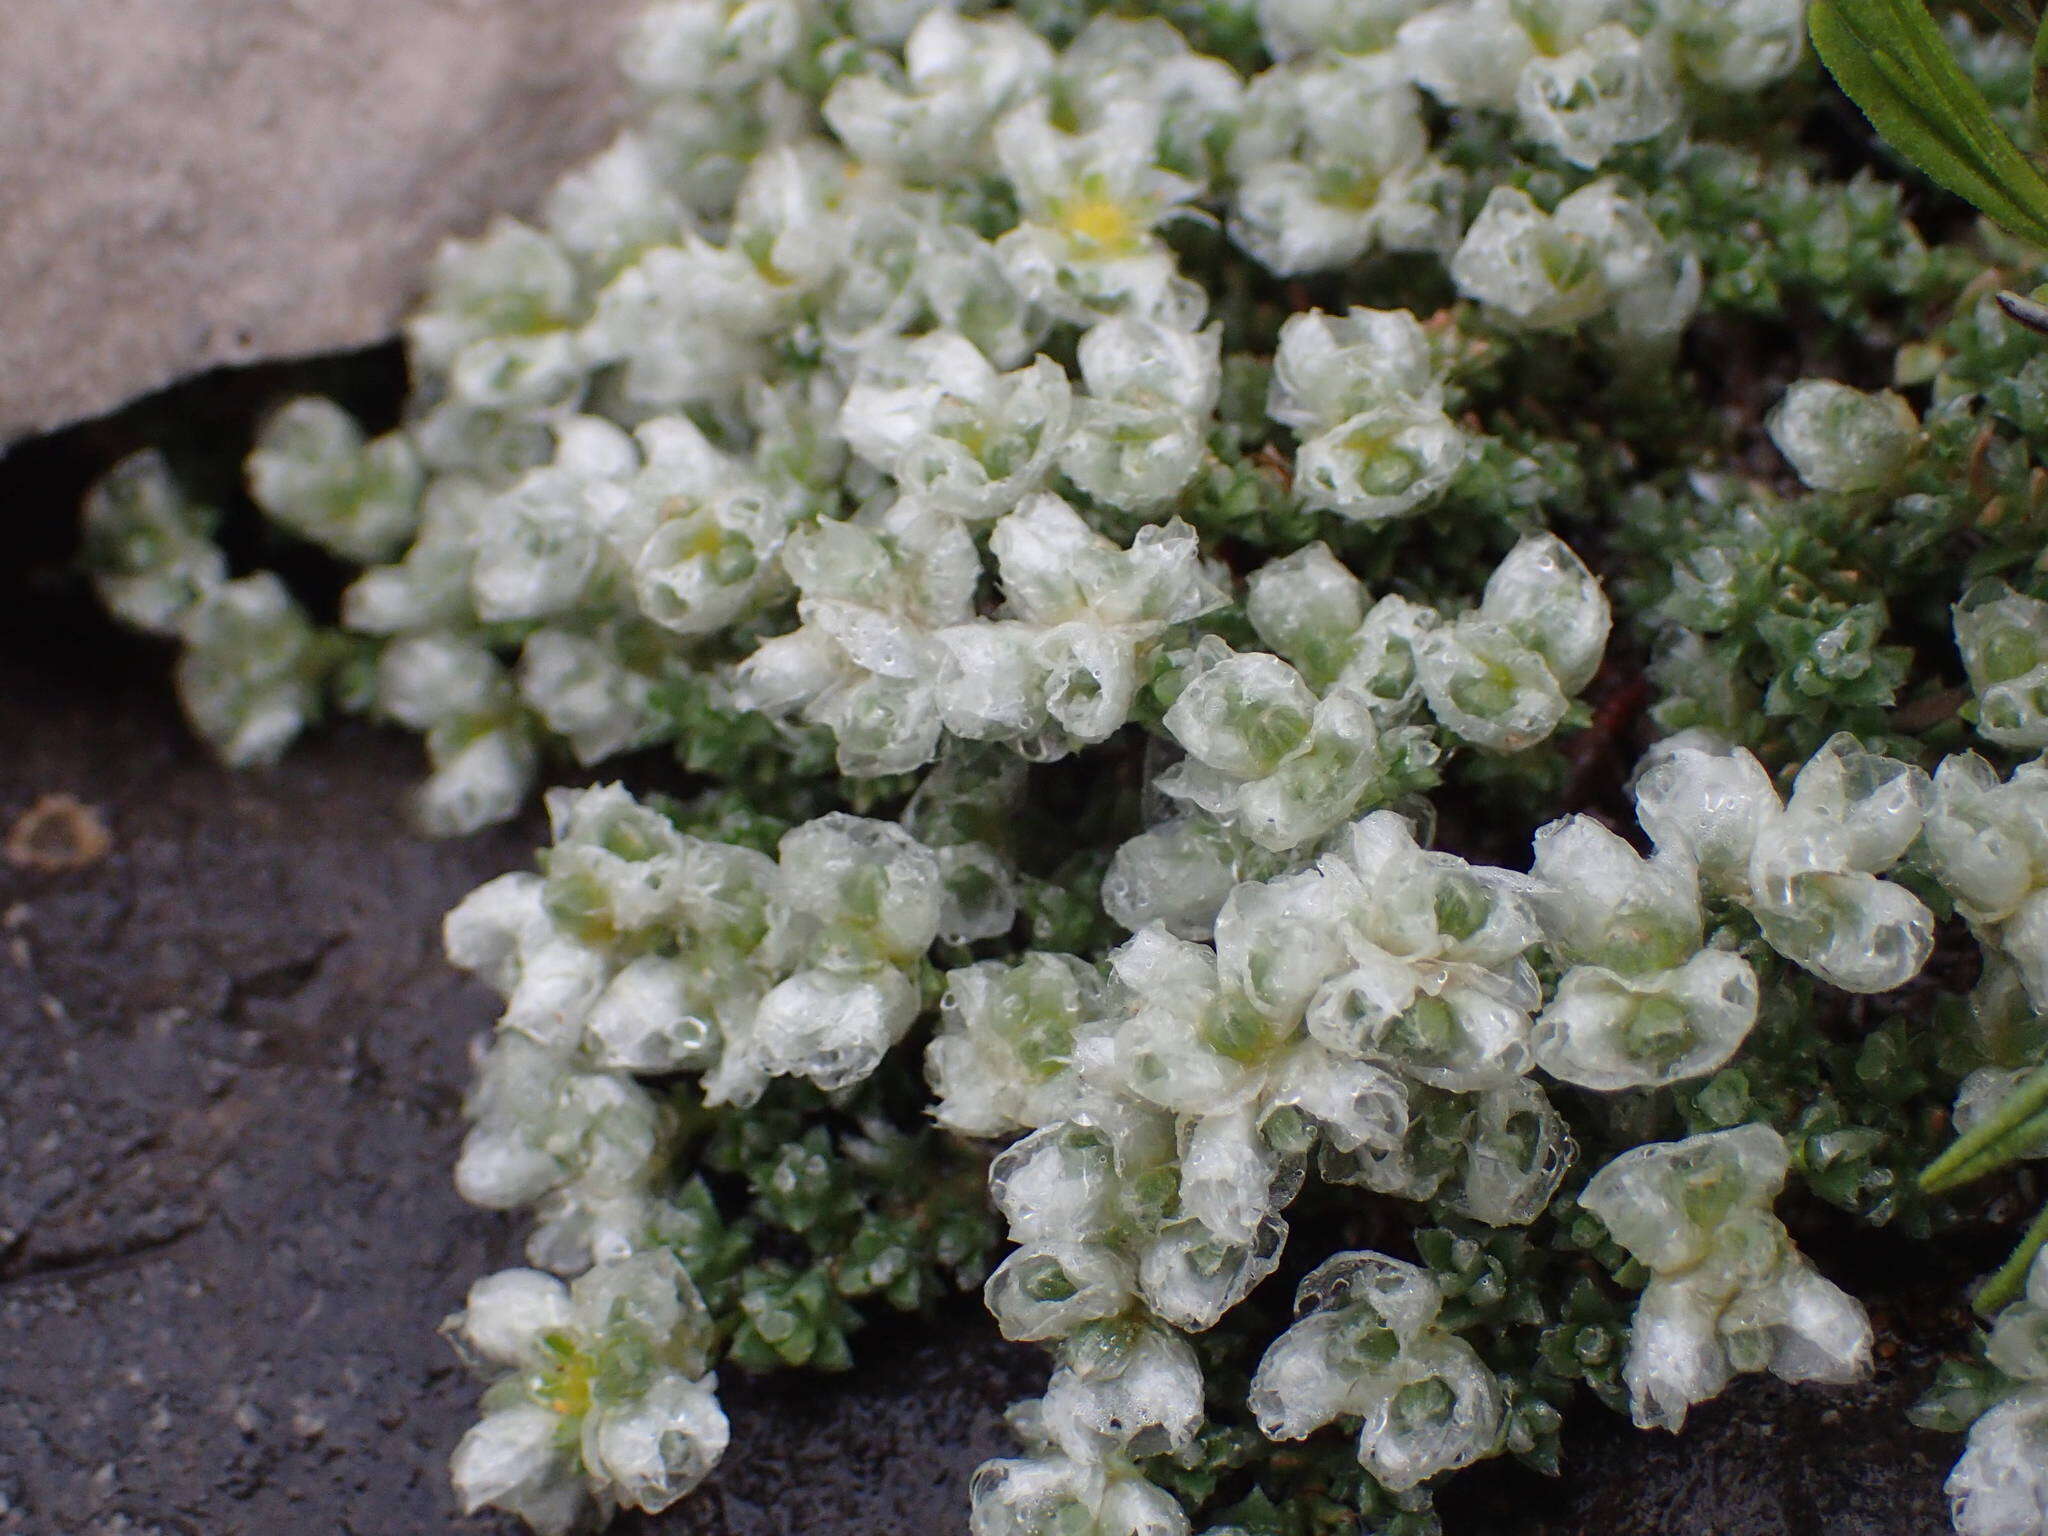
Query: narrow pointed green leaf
(1892, 61)
(2037, 94)
(2004, 1288)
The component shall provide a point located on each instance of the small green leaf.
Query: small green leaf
(1891, 60)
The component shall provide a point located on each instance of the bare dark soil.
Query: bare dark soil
(231, 1064)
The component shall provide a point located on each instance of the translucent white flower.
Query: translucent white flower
(585, 694)
(312, 471)
(1191, 99)
(615, 206)
(1003, 1057)
(1607, 1030)
(698, 530)
(1177, 874)
(934, 414)
(682, 47)
(1467, 53)
(1436, 984)
(1123, 1388)
(1084, 248)
(1139, 435)
(149, 545)
(1737, 45)
(1266, 756)
(1501, 676)
(540, 1122)
(1807, 871)
(866, 662)
(251, 673)
(2003, 637)
(1729, 1291)
(1611, 88)
(1362, 393)
(497, 322)
(1597, 254)
(428, 588)
(1024, 1497)
(1094, 1207)
(2000, 1486)
(1331, 160)
(687, 323)
(1987, 843)
(603, 1397)
(1082, 618)
(1294, 27)
(858, 905)
(931, 123)
(904, 265)
(1843, 439)
(1365, 1346)
(538, 547)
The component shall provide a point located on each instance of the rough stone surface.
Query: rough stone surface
(194, 182)
(230, 1073)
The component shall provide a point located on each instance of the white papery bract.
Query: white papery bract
(497, 323)
(1053, 1492)
(1580, 82)
(2000, 1486)
(859, 906)
(936, 415)
(1502, 675)
(1987, 843)
(643, 949)
(250, 674)
(1434, 981)
(1643, 1004)
(1004, 1054)
(2003, 638)
(1366, 1346)
(1083, 619)
(1842, 439)
(1729, 1292)
(150, 546)
(1139, 435)
(1808, 869)
(1083, 249)
(877, 590)
(1737, 45)
(930, 122)
(1313, 611)
(1265, 756)
(1123, 1388)
(1597, 254)
(1362, 393)
(603, 1397)
(1330, 160)
(539, 549)
(698, 532)
(1612, 87)
(545, 1126)
(313, 472)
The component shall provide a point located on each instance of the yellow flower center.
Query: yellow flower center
(1101, 222)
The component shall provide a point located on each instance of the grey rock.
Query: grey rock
(189, 183)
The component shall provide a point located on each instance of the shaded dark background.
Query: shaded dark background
(231, 1068)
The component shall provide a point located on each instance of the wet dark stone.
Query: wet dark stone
(231, 1063)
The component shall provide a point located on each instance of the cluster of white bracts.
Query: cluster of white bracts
(2000, 1487)
(810, 282)
(757, 406)
(1728, 1290)
(603, 1396)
